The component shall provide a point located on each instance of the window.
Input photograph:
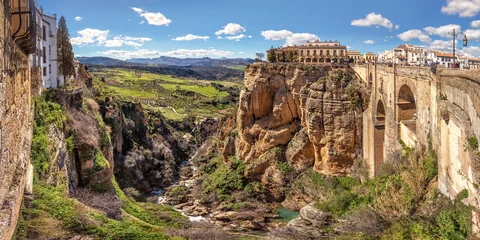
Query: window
(49, 50)
(44, 33)
(308, 52)
(44, 71)
(314, 52)
(334, 52)
(44, 55)
(49, 68)
(341, 52)
(301, 52)
(321, 52)
(328, 52)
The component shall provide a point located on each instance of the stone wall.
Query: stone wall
(446, 114)
(15, 128)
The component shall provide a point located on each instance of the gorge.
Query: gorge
(304, 137)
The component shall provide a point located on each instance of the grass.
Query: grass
(53, 215)
(207, 91)
(197, 97)
(128, 92)
(170, 114)
(237, 67)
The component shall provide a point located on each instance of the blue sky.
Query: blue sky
(227, 28)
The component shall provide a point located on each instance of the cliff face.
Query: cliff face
(305, 115)
(16, 88)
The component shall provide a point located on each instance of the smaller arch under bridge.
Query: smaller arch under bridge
(412, 106)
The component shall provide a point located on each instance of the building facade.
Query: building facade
(45, 58)
(312, 52)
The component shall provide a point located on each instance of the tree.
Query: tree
(271, 56)
(64, 50)
(260, 56)
(290, 56)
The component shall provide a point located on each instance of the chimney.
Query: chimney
(41, 9)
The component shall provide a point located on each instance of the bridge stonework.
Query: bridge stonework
(421, 108)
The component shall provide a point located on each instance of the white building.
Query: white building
(408, 54)
(46, 56)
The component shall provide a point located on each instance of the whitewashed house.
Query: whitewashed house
(46, 56)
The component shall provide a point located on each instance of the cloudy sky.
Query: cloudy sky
(231, 28)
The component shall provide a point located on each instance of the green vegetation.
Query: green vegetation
(53, 215)
(99, 162)
(394, 201)
(46, 114)
(237, 67)
(162, 92)
(473, 142)
(223, 179)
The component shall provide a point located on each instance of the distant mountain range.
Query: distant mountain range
(166, 61)
(203, 62)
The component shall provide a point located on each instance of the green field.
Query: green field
(237, 67)
(187, 96)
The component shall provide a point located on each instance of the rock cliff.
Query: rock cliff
(304, 115)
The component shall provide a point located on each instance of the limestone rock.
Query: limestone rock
(313, 112)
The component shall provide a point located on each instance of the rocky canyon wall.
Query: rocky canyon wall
(306, 116)
(16, 86)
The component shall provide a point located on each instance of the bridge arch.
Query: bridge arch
(407, 115)
(379, 135)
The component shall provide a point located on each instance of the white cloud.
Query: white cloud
(219, 37)
(249, 36)
(133, 44)
(443, 31)
(276, 35)
(142, 22)
(182, 53)
(464, 8)
(473, 50)
(368, 42)
(424, 38)
(236, 38)
(231, 29)
(473, 34)
(90, 36)
(414, 34)
(157, 19)
(373, 19)
(300, 38)
(240, 52)
(290, 38)
(397, 27)
(475, 24)
(190, 37)
(114, 43)
(441, 45)
(78, 18)
(100, 38)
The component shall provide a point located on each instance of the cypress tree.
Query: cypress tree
(64, 50)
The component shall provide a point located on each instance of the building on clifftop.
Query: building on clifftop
(313, 52)
(45, 58)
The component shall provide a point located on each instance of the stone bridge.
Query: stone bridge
(416, 107)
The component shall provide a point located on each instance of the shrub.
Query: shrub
(99, 161)
(285, 168)
(472, 142)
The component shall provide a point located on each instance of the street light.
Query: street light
(465, 42)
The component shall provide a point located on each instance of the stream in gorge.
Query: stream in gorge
(281, 218)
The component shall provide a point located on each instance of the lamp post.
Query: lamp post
(465, 42)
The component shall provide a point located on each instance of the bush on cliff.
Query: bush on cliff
(225, 179)
(402, 202)
(47, 114)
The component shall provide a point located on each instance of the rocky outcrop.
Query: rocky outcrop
(314, 113)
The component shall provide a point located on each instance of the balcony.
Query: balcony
(24, 27)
